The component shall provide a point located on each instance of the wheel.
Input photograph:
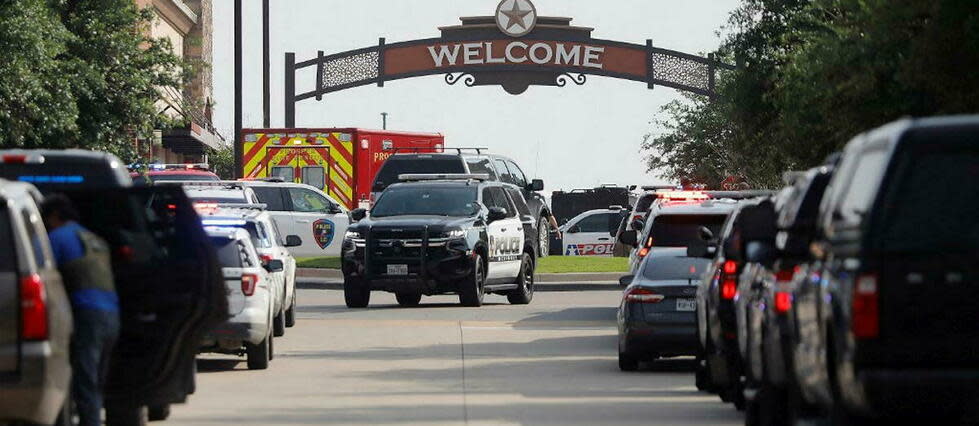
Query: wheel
(260, 354)
(126, 414)
(627, 362)
(356, 293)
(279, 324)
(471, 289)
(291, 313)
(159, 413)
(702, 377)
(408, 299)
(525, 290)
(737, 395)
(543, 237)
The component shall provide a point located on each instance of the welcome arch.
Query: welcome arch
(514, 49)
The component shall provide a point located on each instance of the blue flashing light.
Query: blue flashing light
(52, 179)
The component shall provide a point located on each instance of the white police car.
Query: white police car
(592, 233)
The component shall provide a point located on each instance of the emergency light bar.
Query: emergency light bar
(190, 166)
(224, 222)
(443, 176)
(215, 183)
(25, 158)
(682, 195)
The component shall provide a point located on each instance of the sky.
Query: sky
(571, 137)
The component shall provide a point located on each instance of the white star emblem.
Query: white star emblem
(516, 18)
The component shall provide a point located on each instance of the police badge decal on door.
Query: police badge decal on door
(323, 231)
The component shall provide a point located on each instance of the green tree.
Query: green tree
(82, 73)
(222, 162)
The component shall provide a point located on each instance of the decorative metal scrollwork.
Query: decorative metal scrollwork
(468, 79)
(680, 70)
(350, 69)
(563, 79)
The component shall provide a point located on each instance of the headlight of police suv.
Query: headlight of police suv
(454, 233)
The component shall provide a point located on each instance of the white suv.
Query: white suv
(673, 225)
(250, 299)
(269, 245)
(307, 212)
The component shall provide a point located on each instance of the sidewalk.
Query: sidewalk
(332, 279)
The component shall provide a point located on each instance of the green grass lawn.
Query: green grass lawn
(547, 265)
(319, 262)
(577, 264)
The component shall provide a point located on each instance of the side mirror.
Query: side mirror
(638, 225)
(574, 229)
(626, 280)
(706, 234)
(275, 265)
(293, 241)
(358, 215)
(630, 238)
(536, 185)
(495, 214)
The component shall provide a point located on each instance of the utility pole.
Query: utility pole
(266, 67)
(384, 120)
(238, 85)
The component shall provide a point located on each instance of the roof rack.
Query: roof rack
(659, 187)
(442, 176)
(242, 206)
(272, 179)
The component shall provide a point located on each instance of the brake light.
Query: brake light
(866, 316)
(730, 267)
(682, 195)
(642, 295)
(33, 309)
(266, 258)
(785, 275)
(643, 252)
(15, 158)
(729, 289)
(783, 302)
(248, 284)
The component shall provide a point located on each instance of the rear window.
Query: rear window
(933, 205)
(422, 164)
(678, 230)
(8, 257)
(231, 253)
(219, 197)
(642, 206)
(62, 174)
(673, 268)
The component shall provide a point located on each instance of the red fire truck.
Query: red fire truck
(340, 161)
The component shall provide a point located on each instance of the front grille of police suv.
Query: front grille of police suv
(402, 246)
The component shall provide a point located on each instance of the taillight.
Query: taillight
(642, 295)
(866, 315)
(248, 284)
(786, 275)
(15, 159)
(643, 252)
(33, 309)
(783, 302)
(729, 288)
(265, 258)
(729, 280)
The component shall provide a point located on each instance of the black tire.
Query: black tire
(291, 313)
(408, 299)
(525, 283)
(126, 414)
(279, 324)
(356, 293)
(471, 289)
(260, 354)
(737, 395)
(628, 362)
(543, 237)
(159, 413)
(702, 377)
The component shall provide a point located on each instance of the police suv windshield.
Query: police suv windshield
(457, 201)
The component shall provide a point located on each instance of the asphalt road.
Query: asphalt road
(552, 362)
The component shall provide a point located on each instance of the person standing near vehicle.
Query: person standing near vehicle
(85, 265)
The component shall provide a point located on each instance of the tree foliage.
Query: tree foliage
(82, 73)
(812, 74)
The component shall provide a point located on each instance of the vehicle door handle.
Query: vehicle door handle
(302, 221)
(503, 229)
(603, 239)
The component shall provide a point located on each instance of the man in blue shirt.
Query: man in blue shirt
(85, 265)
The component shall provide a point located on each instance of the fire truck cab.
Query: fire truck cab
(342, 162)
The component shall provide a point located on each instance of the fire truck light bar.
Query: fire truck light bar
(445, 176)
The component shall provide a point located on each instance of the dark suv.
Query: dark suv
(436, 236)
(498, 169)
(887, 323)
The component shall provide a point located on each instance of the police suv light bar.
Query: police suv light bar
(190, 166)
(443, 176)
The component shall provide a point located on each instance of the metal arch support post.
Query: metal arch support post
(650, 72)
(711, 70)
(266, 66)
(238, 151)
(380, 61)
(319, 75)
(290, 90)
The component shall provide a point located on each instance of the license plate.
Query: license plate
(397, 269)
(686, 305)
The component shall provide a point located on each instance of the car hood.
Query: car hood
(432, 222)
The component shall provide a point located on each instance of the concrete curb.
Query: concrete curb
(583, 278)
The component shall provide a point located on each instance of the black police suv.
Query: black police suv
(442, 234)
